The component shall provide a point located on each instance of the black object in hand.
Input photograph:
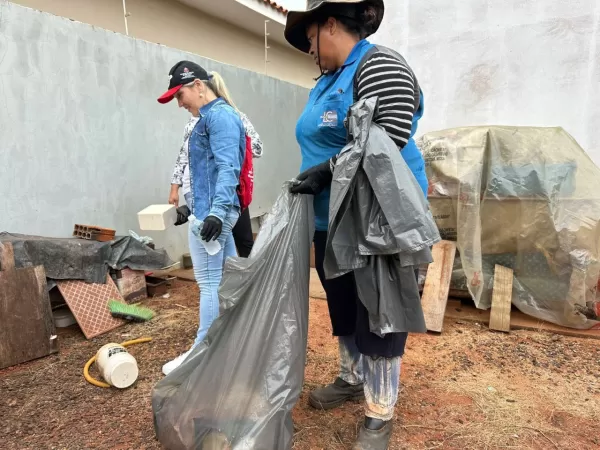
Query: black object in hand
(211, 229)
(183, 212)
(313, 180)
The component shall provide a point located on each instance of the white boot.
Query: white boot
(172, 365)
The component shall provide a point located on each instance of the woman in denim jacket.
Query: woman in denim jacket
(216, 153)
(242, 232)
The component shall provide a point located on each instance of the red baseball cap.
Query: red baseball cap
(182, 73)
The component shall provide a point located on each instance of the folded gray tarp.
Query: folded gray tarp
(380, 225)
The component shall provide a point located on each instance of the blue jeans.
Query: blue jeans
(381, 377)
(208, 270)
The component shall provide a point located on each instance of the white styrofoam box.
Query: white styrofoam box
(157, 217)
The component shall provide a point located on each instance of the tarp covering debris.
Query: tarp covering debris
(237, 388)
(523, 198)
(80, 259)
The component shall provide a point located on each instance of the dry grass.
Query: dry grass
(545, 396)
(505, 417)
(469, 388)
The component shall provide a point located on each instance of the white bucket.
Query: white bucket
(117, 366)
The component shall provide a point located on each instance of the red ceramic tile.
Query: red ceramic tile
(88, 302)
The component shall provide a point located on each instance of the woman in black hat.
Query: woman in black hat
(333, 33)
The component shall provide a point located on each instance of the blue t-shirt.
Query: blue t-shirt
(320, 130)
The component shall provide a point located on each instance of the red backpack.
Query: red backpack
(246, 185)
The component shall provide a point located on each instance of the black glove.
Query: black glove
(183, 212)
(315, 179)
(212, 228)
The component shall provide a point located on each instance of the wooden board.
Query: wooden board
(501, 299)
(437, 285)
(518, 321)
(26, 324)
(7, 256)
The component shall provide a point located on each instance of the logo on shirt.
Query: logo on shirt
(329, 119)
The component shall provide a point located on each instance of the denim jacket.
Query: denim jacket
(216, 154)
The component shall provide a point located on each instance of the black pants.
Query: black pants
(347, 313)
(242, 234)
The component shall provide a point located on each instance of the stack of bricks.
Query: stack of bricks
(93, 233)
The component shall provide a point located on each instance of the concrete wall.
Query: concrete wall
(83, 139)
(176, 25)
(517, 62)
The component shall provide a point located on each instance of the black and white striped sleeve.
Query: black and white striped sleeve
(392, 81)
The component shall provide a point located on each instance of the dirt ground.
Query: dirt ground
(468, 388)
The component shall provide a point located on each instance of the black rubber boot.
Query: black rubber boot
(336, 394)
(374, 435)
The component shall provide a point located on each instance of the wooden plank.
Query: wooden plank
(437, 285)
(518, 321)
(7, 256)
(26, 324)
(501, 299)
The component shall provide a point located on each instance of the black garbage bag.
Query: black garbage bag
(237, 388)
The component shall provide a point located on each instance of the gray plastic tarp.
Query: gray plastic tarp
(80, 259)
(524, 198)
(237, 388)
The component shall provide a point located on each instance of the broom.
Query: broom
(129, 312)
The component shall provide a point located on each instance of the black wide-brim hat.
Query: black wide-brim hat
(297, 21)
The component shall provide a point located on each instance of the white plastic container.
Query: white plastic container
(212, 247)
(117, 366)
(157, 217)
(63, 317)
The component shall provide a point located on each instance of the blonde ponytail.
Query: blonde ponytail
(217, 85)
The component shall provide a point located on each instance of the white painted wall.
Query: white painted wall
(177, 25)
(517, 62)
(83, 139)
